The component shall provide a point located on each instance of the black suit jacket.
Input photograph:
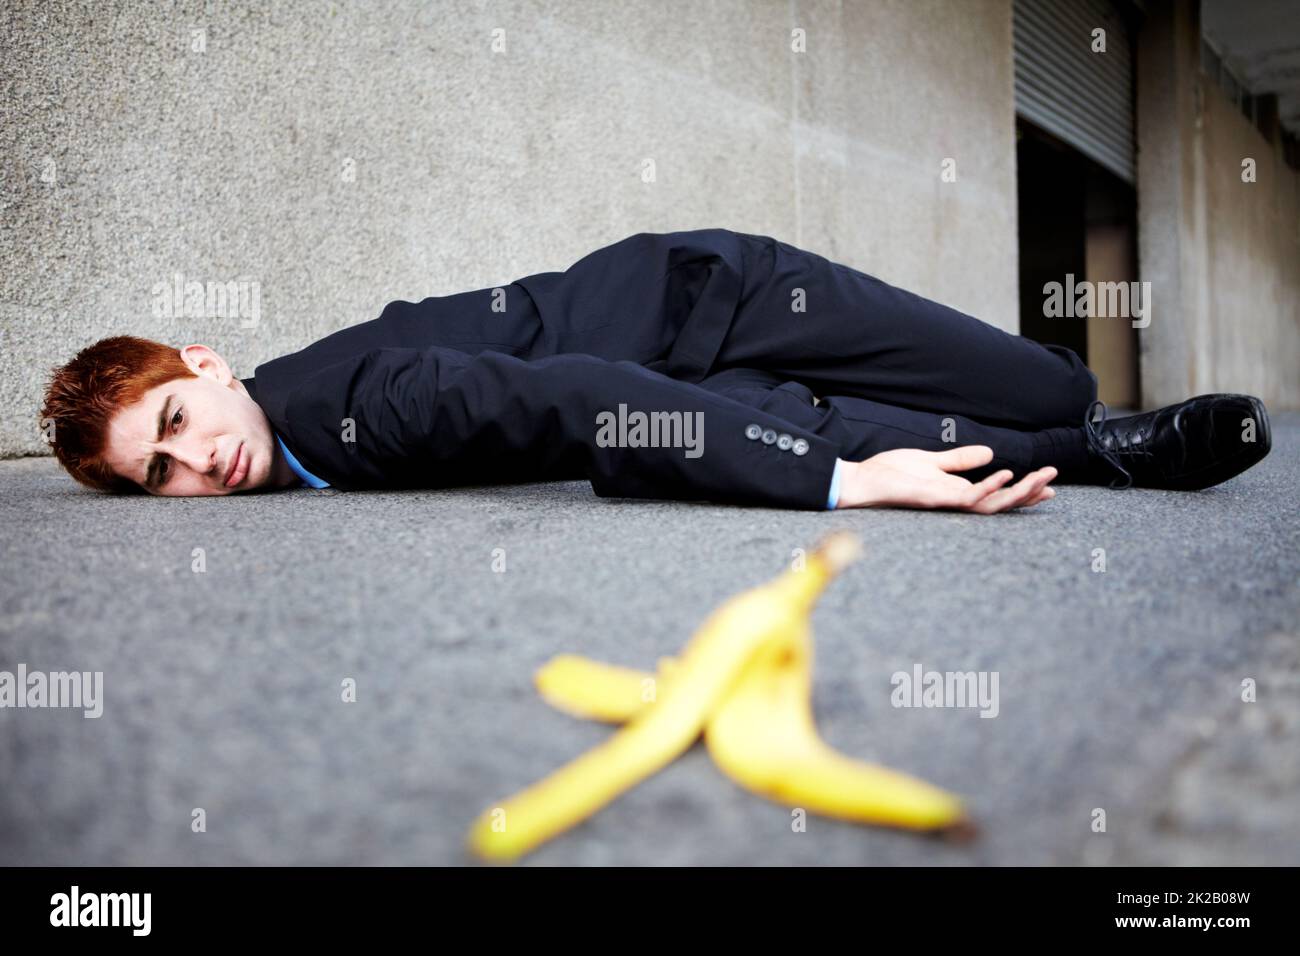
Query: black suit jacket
(508, 384)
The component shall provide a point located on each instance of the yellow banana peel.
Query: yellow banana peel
(744, 681)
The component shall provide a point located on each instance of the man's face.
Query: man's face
(214, 439)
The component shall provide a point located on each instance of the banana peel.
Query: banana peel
(763, 736)
(744, 682)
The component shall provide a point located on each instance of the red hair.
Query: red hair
(87, 392)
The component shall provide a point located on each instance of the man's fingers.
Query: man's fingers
(1023, 491)
(1033, 488)
(978, 492)
(964, 458)
(1008, 497)
(1046, 494)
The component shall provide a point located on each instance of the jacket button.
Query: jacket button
(784, 442)
(769, 437)
(752, 432)
(800, 447)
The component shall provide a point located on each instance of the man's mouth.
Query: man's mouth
(238, 467)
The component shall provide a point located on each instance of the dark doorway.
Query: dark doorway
(1076, 219)
(1052, 194)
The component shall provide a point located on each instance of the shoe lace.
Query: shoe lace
(1093, 431)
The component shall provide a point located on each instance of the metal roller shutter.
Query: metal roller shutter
(1085, 98)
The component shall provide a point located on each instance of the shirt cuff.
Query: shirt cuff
(834, 495)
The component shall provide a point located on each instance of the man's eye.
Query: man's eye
(176, 419)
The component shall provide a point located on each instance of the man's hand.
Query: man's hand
(910, 478)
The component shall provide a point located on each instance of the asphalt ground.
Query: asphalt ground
(1118, 690)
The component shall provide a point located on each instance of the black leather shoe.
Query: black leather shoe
(1185, 447)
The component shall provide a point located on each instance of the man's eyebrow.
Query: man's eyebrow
(151, 474)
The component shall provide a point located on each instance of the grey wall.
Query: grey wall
(1222, 254)
(342, 155)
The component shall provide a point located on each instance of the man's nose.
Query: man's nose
(201, 459)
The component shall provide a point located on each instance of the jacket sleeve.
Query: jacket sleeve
(394, 417)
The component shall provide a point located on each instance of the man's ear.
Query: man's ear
(203, 360)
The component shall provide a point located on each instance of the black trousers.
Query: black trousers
(834, 350)
(875, 367)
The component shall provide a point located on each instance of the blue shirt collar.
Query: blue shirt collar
(307, 477)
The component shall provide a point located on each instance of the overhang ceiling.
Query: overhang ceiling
(1260, 42)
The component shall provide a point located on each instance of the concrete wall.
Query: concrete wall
(1223, 255)
(342, 155)
(1253, 233)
